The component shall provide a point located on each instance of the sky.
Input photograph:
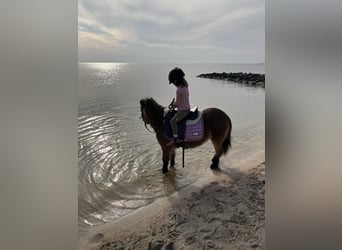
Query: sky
(166, 31)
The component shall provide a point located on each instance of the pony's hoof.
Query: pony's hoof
(214, 166)
(215, 163)
(165, 170)
(216, 170)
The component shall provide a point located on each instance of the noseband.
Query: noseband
(145, 123)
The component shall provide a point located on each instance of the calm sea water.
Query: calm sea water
(120, 161)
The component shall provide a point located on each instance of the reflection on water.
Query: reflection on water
(120, 161)
(105, 73)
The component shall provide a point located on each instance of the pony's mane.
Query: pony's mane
(153, 110)
(153, 107)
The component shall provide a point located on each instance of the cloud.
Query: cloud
(219, 26)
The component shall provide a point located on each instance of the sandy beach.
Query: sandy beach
(226, 211)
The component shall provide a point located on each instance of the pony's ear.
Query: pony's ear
(142, 102)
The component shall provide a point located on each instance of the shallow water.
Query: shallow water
(120, 161)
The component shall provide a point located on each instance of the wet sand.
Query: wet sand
(226, 211)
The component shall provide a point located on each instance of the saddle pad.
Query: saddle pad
(195, 131)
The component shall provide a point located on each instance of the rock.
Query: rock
(189, 240)
(96, 237)
(157, 245)
(210, 243)
(255, 245)
(169, 246)
(204, 229)
(240, 77)
(177, 246)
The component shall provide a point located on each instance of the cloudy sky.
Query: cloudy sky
(171, 31)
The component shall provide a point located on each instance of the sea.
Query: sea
(120, 161)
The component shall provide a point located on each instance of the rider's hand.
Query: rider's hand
(171, 106)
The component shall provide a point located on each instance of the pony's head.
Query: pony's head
(151, 112)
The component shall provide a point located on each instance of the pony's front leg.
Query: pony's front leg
(173, 155)
(165, 149)
(166, 158)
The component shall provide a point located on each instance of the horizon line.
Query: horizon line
(173, 62)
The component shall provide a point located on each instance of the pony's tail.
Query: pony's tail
(226, 144)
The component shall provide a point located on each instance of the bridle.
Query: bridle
(145, 123)
(171, 107)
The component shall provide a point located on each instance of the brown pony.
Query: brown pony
(217, 128)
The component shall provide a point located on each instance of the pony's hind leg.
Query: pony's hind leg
(218, 152)
(215, 162)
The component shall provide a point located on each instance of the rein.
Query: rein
(152, 132)
(183, 154)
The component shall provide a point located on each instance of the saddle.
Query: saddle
(190, 128)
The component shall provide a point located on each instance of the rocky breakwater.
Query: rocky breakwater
(251, 79)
